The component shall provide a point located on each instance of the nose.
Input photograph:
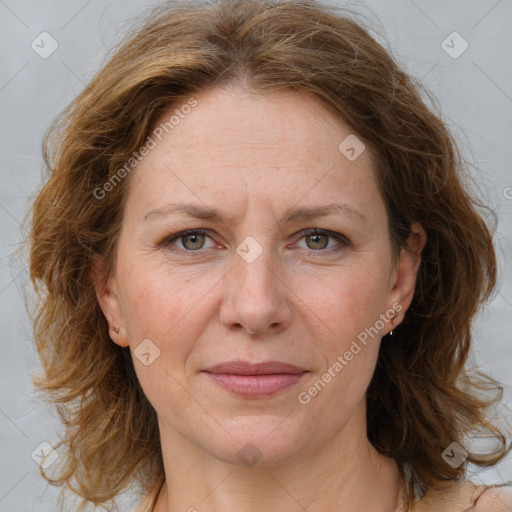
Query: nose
(256, 298)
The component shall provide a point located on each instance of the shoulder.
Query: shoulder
(494, 499)
(467, 496)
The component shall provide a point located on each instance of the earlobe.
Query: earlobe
(108, 300)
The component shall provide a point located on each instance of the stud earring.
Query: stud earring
(116, 329)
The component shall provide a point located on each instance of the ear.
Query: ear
(404, 277)
(108, 299)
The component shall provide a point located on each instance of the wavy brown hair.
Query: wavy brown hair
(422, 397)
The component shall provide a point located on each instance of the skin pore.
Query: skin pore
(303, 300)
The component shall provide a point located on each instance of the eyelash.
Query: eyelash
(167, 242)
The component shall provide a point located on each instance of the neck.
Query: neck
(345, 474)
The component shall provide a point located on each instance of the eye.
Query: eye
(191, 240)
(317, 240)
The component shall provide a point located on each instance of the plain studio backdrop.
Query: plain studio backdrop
(459, 49)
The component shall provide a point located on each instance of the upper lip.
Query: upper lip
(246, 368)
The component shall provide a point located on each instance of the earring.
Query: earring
(392, 321)
(116, 329)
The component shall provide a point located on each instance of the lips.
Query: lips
(254, 380)
(244, 368)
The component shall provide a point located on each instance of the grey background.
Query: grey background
(475, 96)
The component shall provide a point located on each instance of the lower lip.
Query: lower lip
(255, 385)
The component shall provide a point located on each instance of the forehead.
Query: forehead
(235, 143)
(260, 123)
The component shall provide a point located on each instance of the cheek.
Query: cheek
(362, 297)
(162, 307)
(159, 299)
(172, 308)
(350, 304)
(347, 301)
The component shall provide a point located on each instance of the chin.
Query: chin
(265, 440)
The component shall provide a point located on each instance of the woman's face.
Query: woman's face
(256, 174)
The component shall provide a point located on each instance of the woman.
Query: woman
(260, 268)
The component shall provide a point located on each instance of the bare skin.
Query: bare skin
(302, 301)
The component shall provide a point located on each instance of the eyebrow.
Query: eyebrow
(292, 215)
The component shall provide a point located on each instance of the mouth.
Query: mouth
(255, 380)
